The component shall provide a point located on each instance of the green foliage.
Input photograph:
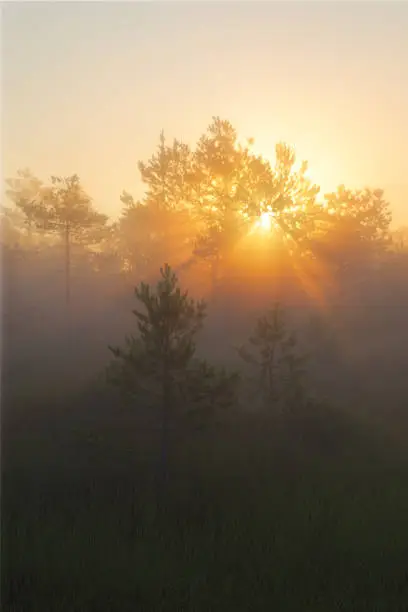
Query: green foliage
(169, 326)
(70, 208)
(159, 363)
(159, 224)
(167, 330)
(233, 187)
(290, 196)
(56, 207)
(27, 192)
(166, 175)
(208, 391)
(272, 352)
(219, 182)
(11, 221)
(364, 211)
(399, 240)
(353, 227)
(62, 208)
(68, 211)
(133, 234)
(201, 202)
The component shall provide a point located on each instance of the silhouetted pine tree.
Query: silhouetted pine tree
(279, 368)
(160, 362)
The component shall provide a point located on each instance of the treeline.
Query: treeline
(204, 204)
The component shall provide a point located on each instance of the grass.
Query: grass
(259, 515)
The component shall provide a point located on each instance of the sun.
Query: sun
(265, 225)
(265, 222)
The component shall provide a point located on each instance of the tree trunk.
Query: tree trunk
(164, 448)
(163, 471)
(215, 265)
(30, 233)
(67, 265)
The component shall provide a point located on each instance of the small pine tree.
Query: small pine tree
(280, 370)
(160, 364)
(156, 360)
(292, 372)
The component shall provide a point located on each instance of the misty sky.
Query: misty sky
(87, 87)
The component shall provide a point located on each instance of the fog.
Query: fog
(253, 432)
(357, 341)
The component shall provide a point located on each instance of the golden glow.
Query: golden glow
(265, 222)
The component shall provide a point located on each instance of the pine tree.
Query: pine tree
(220, 166)
(26, 192)
(160, 225)
(70, 213)
(279, 368)
(166, 175)
(159, 365)
(62, 208)
(354, 228)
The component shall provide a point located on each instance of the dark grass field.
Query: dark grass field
(302, 514)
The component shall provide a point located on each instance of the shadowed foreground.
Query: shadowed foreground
(286, 514)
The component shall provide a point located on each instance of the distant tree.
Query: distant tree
(367, 208)
(147, 234)
(61, 208)
(399, 239)
(159, 226)
(159, 364)
(11, 221)
(354, 226)
(167, 175)
(133, 235)
(280, 370)
(69, 213)
(26, 192)
(104, 253)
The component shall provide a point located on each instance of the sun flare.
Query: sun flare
(264, 223)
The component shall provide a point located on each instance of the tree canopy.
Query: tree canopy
(207, 203)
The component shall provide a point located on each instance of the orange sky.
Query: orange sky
(87, 87)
